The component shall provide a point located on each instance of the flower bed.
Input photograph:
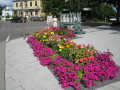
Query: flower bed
(73, 64)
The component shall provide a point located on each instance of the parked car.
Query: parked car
(8, 19)
(18, 20)
(37, 19)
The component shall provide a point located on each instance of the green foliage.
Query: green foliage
(8, 16)
(54, 56)
(77, 5)
(80, 73)
(74, 54)
(0, 10)
(97, 20)
(56, 6)
(103, 10)
(54, 45)
(65, 53)
(14, 16)
(53, 6)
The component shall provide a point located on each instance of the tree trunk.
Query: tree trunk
(118, 11)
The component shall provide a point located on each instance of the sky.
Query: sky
(6, 2)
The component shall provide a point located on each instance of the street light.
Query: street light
(22, 17)
(22, 11)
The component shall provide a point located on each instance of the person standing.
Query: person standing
(55, 21)
(50, 20)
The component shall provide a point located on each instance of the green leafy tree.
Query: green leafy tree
(0, 10)
(103, 11)
(56, 6)
(53, 6)
(116, 4)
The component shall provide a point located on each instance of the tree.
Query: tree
(78, 5)
(0, 10)
(53, 6)
(116, 4)
(56, 6)
(103, 10)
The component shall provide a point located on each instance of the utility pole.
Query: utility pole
(22, 11)
(22, 18)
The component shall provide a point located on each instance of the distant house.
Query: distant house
(6, 13)
(28, 8)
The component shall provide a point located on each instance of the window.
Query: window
(30, 3)
(36, 13)
(16, 4)
(31, 13)
(21, 13)
(26, 5)
(35, 3)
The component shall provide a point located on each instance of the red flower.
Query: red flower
(85, 58)
(79, 45)
(81, 59)
(91, 57)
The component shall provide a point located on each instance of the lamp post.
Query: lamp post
(22, 18)
(22, 11)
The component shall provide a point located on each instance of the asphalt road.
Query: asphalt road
(10, 31)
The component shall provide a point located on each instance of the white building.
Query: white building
(5, 12)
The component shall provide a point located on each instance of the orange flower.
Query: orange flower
(67, 46)
(71, 44)
(61, 46)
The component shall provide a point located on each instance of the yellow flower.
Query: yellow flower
(67, 46)
(60, 49)
(61, 46)
(44, 36)
(45, 33)
(52, 32)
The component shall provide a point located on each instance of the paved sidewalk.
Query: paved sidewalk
(23, 71)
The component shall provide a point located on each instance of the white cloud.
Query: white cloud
(6, 2)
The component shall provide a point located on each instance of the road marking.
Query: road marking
(7, 39)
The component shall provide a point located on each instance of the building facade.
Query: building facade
(7, 13)
(27, 8)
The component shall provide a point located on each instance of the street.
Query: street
(17, 30)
